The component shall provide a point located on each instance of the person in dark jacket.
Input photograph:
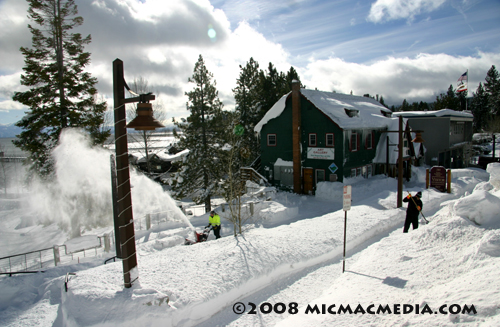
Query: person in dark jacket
(414, 207)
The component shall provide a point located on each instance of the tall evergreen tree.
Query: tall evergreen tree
(382, 102)
(480, 110)
(448, 100)
(247, 95)
(273, 85)
(203, 134)
(60, 93)
(492, 87)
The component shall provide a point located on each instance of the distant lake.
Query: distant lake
(9, 149)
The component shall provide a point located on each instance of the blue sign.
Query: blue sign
(333, 167)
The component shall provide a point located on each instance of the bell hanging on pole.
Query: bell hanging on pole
(144, 121)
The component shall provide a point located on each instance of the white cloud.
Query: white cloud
(416, 79)
(385, 10)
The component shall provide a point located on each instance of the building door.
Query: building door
(308, 174)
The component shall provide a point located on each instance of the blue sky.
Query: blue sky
(399, 49)
(348, 29)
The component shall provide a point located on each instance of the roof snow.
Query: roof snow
(435, 113)
(336, 106)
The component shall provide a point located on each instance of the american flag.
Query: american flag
(463, 77)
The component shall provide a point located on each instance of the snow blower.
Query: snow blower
(199, 237)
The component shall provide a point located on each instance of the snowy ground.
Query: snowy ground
(287, 265)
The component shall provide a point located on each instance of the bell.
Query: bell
(144, 121)
(418, 138)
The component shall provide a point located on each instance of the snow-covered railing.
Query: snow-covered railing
(250, 174)
(27, 261)
(50, 257)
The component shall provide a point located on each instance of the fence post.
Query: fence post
(449, 180)
(251, 208)
(148, 221)
(107, 243)
(57, 256)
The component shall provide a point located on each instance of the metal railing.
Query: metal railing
(48, 257)
(27, 261)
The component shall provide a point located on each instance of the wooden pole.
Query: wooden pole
(400, 163)
(427, 178)
(115, 206)
(124, 199)
(296, 122)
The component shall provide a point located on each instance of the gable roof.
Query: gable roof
(366, 112)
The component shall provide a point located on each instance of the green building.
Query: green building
(336, 136)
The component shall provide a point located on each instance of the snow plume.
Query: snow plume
(79, 197)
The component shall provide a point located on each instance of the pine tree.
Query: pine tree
(246, 95)
(60, 93)
(480, 110)
(382, 102)
(492, 87)
(203, 134)
(448, 100)
(273, 85)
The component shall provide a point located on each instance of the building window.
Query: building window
(369, 141)
(329, 140)
(353, 172)
(312, 139)
(354, 142)
(320, 175)
(271, 140)
(459, 128)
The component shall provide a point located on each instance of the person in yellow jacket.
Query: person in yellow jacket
(214, 221)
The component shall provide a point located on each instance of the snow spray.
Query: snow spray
(80, 194)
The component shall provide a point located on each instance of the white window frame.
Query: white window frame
(313, 137)
(332, 144)
(269, 136)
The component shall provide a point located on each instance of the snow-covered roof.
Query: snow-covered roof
(367, 111)
(435, 113)
(173, 157)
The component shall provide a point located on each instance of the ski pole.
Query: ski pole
(417, 207)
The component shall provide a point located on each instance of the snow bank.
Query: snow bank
(481, 207)
(494, 170)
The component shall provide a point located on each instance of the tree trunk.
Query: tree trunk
(60, 61)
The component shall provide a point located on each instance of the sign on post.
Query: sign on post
(347, 197)
(347, 206)
(438, 178)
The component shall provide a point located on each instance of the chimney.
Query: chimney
(296, 122)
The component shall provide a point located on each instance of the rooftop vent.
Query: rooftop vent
(386, 114)
(351, 112)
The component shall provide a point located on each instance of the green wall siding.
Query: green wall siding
(314, 121)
